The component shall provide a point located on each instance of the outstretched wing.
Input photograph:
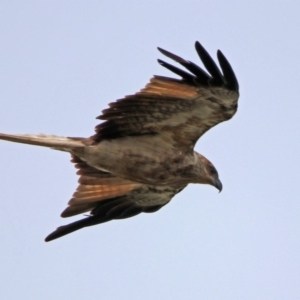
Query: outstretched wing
(95, 186)
(107, 197)
(179, 110)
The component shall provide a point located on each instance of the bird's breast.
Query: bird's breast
(150, 161)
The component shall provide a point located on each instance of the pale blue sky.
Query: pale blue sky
(61, 62)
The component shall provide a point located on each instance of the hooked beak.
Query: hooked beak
(218, 184)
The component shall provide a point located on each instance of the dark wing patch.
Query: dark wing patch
(109, 198)
(180, 109)
(134, 115)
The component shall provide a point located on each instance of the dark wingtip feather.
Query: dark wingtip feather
(176, 70)
(209, 64)
(227, 79)
(69, 228)
(230, 78)
(171, 55)
(64, 230)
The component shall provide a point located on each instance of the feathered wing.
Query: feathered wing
(107, 197)
(179, 110)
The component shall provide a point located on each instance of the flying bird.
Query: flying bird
(142, 154)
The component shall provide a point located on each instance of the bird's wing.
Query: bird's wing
(107, 197)
(179, 110)
(95, 186)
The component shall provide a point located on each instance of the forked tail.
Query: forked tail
(50, 141)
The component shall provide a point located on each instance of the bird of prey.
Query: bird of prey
(142, 154)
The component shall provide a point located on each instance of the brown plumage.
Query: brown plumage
(143, 153)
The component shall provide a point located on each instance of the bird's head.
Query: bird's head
(208, 173)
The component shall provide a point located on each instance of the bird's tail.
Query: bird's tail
(50, 141)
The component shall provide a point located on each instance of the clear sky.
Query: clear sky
(61, 62)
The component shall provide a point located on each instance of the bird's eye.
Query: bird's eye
(213, 171)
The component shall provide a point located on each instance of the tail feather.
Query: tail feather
(51, 141)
